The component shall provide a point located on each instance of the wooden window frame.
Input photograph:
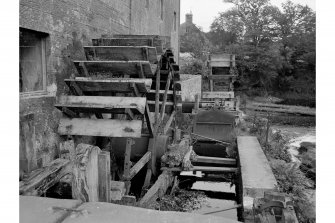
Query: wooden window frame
(44, 91)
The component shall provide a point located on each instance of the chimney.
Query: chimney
(189, 18)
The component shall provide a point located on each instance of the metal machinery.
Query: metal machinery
(216, 112)
(274, 208)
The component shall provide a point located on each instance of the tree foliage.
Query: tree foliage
(275, 48)
(194, 42)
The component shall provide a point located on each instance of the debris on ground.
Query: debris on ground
(181, 200)
(174, 157)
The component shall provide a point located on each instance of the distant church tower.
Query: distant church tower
(189, 18)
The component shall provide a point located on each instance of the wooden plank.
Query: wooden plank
(158, 81)
(215, 160)
(127, 164)
(157, 190)
(115, 68)
(148, 119)
(85, 182)
(131, 41)
(221, 77)
(104, 176)
(203, 169)
(135, 36)
(139, 165)
(123, 42)
(152, 163)
(167, 86)
(157, 40)
(140, 70)
(102, 104)
(42, 179)
(218, 94)
(169, 122)
(122, 53)
(100, 127)
(110, 85)
(84, 69)
(69, 113)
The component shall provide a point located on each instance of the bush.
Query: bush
(193, 66)
(293, 182)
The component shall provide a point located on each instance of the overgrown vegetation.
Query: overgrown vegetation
(181, 200)
(291, 180)
(274, 48)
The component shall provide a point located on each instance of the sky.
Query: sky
(204, 11)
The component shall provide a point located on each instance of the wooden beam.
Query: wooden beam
(215, 160)
(167, 86)
(40, 180)
(139, 165)
(147, 179)
(152, 149)
(203, 169)
(157, 96)
(157, 190)
(69, 113)
(169, 122)
(100, 127)
(127, 164)
(85, 181)
(83, 67)
(115, 68)
(218, 94)
(161, 91)
(140, 70)
(104, 168)
(75, 89)
(148, 120)
(110, 85)
(221, 77)
(122, 42)
(102, 104)
(130, 113)
(144, 53)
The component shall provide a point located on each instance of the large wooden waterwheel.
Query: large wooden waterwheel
(123, 91)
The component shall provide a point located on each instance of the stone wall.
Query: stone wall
(70, 25)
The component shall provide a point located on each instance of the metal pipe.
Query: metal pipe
(205, 137)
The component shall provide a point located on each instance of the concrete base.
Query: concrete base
(256, 173)
(37, 209)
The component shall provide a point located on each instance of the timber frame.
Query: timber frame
(116, 67)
